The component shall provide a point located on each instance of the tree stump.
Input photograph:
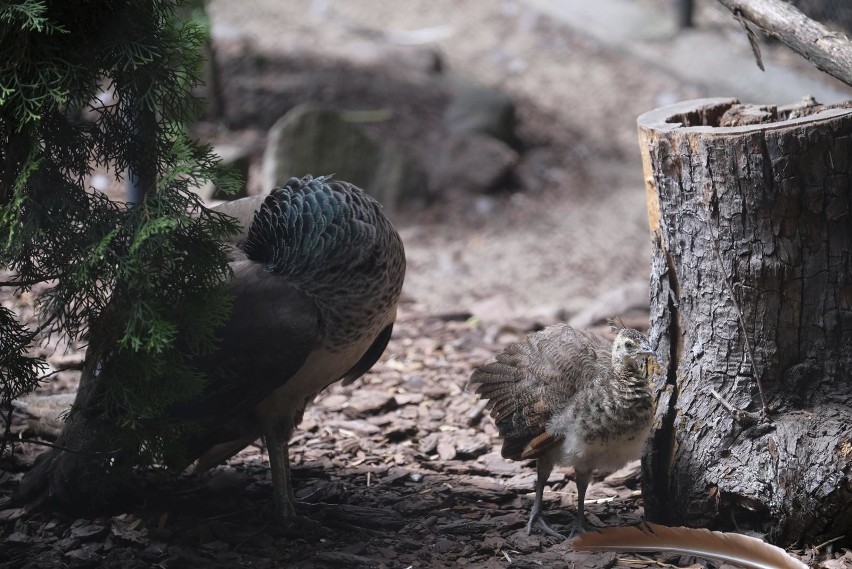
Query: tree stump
(751, 286)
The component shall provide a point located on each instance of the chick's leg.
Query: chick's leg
(543, 469)
(583, 477)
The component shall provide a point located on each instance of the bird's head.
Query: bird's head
(631, 349)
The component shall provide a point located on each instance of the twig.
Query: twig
(14, 439)
(30, 282)
(251, 535)
(752, 38)
(47, 375)
(745, 418)
(828, 51)
(829, 542)
(714, 243)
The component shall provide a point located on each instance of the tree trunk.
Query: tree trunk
(751, 286)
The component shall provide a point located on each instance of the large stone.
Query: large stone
(478, 109)
(316, 141)
(471, 162)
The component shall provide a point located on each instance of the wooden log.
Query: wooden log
(751, 302)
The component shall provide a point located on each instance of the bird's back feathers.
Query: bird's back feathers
(310, 224)
(533, 379)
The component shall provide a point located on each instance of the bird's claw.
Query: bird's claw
(301, 525)
(538, 521)
(577, 528)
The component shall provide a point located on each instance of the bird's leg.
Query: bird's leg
(543, 470)
(277, 445)
(582, 478)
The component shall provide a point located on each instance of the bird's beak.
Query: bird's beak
(647, 351)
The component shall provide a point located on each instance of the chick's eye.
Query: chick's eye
(629, 343)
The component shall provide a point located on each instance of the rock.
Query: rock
(86, 531)
(359, 426)
(629, 474)
(497, 465)
(478, 109)
(84, 555)
(631, 296)
(471, 447)
(495, 309)
(45, 414)
(471, 162)
(446, 449)
(129, 529)
(311, 140)
(408, 60)
(19, 538)
(227, 480)
(408, 398)
(542, 167)
(400, 429)
(364, 402)
(429, 443)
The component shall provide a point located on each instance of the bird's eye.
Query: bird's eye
(629, 344)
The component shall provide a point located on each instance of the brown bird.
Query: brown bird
(565, 396)
(317, 275)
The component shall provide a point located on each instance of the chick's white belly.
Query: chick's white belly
(605, 455)
(588, 453)
(321, 369)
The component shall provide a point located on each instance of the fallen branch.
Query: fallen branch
(829, 51)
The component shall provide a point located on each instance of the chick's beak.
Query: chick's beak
(647, 351)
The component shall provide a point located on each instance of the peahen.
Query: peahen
(317, 275)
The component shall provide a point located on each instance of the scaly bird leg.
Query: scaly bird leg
(582, 477)
(277, 445)
(543, 468)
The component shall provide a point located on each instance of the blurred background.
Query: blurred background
(500, 135)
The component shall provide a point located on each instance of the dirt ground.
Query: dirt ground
(402, 469)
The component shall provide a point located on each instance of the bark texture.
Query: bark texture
(751, 221)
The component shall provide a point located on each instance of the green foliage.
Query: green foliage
(143, 284)
(19, 373)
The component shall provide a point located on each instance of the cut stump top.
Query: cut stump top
(727, 116)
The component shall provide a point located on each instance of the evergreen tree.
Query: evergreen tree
(142, 284)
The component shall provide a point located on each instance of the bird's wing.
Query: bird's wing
(370, 357)
(535, 378)
(272, 329)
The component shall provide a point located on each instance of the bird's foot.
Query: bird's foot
(538, 521)
(578, 527)
(293, 523)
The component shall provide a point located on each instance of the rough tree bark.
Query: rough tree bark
(751, 223)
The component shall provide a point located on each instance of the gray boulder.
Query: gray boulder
(471, 162)
(316, 141)
(478, 109)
